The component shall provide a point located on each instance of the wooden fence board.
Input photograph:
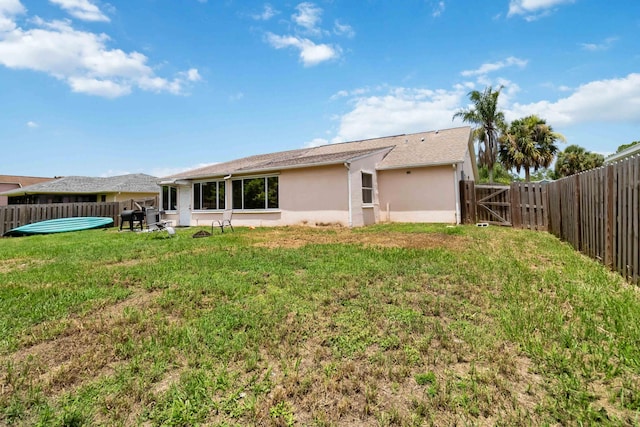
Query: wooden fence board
(13, 216)
(597, 213)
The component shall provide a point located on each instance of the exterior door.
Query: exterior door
(184, 206)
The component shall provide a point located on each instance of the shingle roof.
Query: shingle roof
(411, 150)
(22, 180)
(132, 183)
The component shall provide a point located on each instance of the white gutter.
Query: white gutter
(628, 152)
(348, 166)
(175, 182)
(417, 165)
(456, 190)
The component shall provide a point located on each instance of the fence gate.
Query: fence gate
(485, 203)
(493, 204)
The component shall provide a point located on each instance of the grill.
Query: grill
(133, 217)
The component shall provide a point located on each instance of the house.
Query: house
(12, 182)
(402, 178)
(76, 189)
(627, 152)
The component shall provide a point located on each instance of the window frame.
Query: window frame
(367, 189)
(198, 206)
(170, 202)
(268, 205)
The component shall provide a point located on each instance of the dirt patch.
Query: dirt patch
(19, 264)
(125, 263)
(298, 238)
(86, 348)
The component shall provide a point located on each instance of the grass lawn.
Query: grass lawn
(388, 325)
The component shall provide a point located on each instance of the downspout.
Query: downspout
(456, 190)
(348, 166)
(228, 193)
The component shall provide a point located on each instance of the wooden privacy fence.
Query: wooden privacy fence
(521, 205)
(12, 216)
(597, 213)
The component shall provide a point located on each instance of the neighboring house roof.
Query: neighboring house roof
(413, 150)
(22, 181)
(628, 152)
(132, 183)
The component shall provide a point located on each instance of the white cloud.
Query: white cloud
(613, 100)
(339, 94)
(316, 142)
(82, 9)
(79, 58)
(308, 17)
(307, 28)
(32, 124)
(8, 10)
(191, 75)
(310, 52)
(491, 67)
(346, 93)
(438, 9)
(267, 13)
(533, 9)
(104, 88)
(343, 29)
(400, 110)
(604, 45)
(389, 111)
(168, 171)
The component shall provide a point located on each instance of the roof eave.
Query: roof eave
(631, 151)
(289, 167)
(421, 165)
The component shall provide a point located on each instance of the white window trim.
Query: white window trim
(373, 188)
(265, 210)
(169, 186)
(220, 181)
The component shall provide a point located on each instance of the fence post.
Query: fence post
(577, 225)
(609, 216)
(515, 199)
(468, 202)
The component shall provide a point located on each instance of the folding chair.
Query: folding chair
(154, 223)
(224, 222)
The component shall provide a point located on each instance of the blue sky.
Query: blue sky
(98, 88)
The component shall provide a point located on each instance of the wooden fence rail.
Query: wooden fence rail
(12, 216)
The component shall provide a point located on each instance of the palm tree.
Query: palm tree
(575, 159)
(528, 143)
(484, 114)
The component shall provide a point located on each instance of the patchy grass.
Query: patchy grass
(386, 325)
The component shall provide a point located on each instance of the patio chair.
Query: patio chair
(154, 223)
(224, 222)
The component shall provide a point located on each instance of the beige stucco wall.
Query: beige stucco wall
(320, 195)
(362, 214)
(309, 196)
(418, 195)
(124, 197)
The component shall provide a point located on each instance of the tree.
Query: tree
(484, 114)
(528, 143)
(575, 159)
(500, 175)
